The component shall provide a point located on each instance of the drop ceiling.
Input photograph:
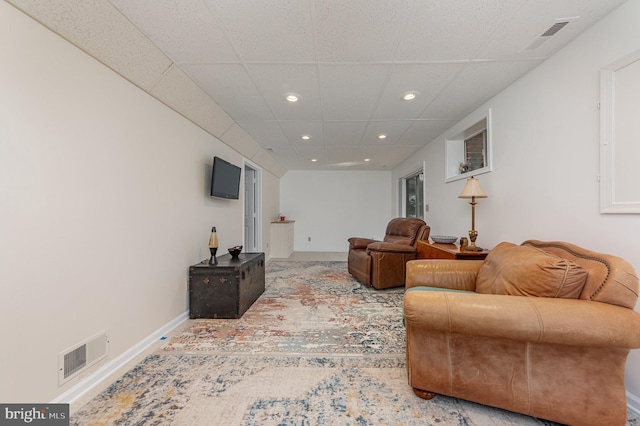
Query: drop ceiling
(228, 64)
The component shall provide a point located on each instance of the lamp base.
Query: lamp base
(472, 248)
(214, 259)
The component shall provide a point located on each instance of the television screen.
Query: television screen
(225, 179)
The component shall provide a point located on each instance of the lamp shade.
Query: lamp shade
(472, 189)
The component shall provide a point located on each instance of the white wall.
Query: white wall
(546, 158)
(331, 206)
(103, 206)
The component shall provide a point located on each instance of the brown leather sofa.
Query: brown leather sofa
(381, 264)
(542, 329)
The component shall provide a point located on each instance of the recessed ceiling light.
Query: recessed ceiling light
(313, 160)
(382, 136)
(306, 137)
(291, 97)
(367, 159)
(409, 96)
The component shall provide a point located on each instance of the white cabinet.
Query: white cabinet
(282, 238)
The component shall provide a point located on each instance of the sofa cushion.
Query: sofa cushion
(528, 271)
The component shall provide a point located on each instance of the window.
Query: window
(468, 147)
(475, 149)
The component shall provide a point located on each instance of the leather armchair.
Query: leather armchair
(382, 264)
(559, 358)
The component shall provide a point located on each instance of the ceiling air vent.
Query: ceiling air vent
(546, 35)
(554, 29)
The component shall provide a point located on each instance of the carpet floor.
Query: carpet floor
(317, 348)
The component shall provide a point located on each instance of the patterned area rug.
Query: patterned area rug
(307, 308)
(317, 348)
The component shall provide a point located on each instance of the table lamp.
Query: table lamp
(472, 190)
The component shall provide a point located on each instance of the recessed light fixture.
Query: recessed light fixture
(382, 136)
(291, 97)
(313, 160)
(306, 137)
(367, 160)
(409, 96)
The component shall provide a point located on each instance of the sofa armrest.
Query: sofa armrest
(443, 273)
(360, 243)
(529, 319)
(391, 247)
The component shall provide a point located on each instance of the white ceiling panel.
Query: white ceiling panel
(343, 133)
(393, 130)
(308, 153)
(103, 32)
(350, 62)
(422, 132)
(360, 30)
(270, 132)
(268, 31)
(237, 138)
(390, 156)
(478, 82)
(426, 79)
(467, 24)
(185, 30)
(294, 130)
(177, 89)
(351, 92)
(275, 80)
(343, 156)
(232, 88)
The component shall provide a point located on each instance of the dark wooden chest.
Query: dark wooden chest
(228, 289)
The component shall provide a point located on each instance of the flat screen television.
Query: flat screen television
(225, 179)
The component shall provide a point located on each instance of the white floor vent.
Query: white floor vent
(78, 358)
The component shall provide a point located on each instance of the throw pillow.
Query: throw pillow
(528, 271)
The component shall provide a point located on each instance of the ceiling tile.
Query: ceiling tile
(427, 79)
(422, 132)
(526, 26)
(350, 92)
(99, 29)
(476, 84)
(372, 28)
(237, 138)
(294, 130)
(185, 30)
(267, 161)
(389, 157)
(292, 161)
(466, 23)
(177, 90)
(268, 132)
(233, 89)
(343, 133)
(267, 31)
(392, 129)
(274, 80)
(307, 153)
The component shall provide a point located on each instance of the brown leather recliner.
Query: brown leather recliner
(382, 264)
(542, 329)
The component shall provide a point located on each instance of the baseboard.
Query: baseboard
(104, 372)
(633, 403)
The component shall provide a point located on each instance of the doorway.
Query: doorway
(252, 220)
(412, 195)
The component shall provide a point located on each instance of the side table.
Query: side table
(427, 250)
